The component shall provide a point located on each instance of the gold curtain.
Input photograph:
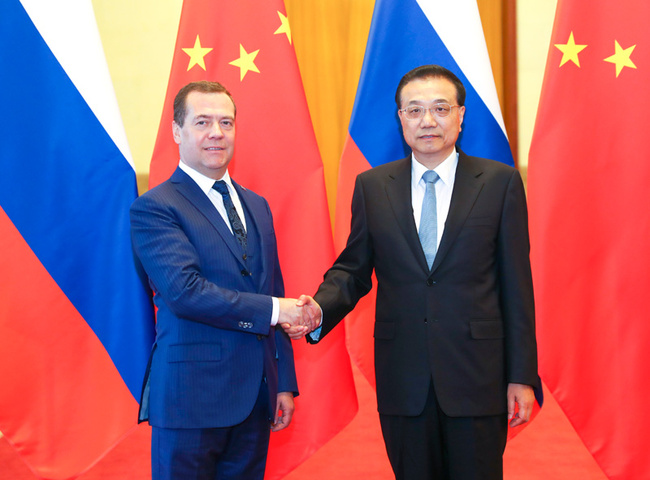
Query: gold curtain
(330, 39)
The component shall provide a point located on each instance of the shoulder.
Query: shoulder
(156, 194)
(251, 198)
(248, 194)
(485, 163)
(485, 168)
(390, 169)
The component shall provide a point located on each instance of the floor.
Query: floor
(547, 449)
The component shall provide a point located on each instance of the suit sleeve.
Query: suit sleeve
(287, 381)
(174, 268)
(516, 287)
(350, 278)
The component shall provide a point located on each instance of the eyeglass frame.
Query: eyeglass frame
(430, 109)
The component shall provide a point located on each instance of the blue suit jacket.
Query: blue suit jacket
(214, 343)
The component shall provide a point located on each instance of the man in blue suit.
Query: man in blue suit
(221, 374)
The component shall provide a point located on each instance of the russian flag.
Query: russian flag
(405, 34)
(76, 323)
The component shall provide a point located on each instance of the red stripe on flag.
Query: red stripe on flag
(64, 392)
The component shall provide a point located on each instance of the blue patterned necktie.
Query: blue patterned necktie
(429, 220)
(235, 222)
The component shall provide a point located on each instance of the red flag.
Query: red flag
(246, 46)
(590, 229)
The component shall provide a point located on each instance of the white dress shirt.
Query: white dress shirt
(444, 187)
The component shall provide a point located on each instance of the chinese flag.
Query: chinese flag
(590, 228)
(246, 46)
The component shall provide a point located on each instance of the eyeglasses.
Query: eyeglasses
(416, 112)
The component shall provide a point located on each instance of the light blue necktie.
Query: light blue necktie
(429, 218)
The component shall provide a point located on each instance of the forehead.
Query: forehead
(210, 104)
(429, 89)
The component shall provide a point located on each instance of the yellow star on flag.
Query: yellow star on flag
(570, 51)
(196, 54)
(621, 58)
(284, 27)
(245, 62)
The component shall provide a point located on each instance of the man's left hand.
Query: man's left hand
(283, 411)
(521, 399)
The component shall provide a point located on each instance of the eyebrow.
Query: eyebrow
(434, 101)
(210, 117)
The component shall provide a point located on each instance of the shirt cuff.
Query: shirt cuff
(275, 314)
(315, 335)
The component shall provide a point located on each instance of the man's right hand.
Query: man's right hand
(298, 317)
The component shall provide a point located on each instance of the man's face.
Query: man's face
(206, 141)
(431, 138)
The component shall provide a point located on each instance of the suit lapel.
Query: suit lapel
(467, 186)
(191, 191)
(252, 217)
(398, 191)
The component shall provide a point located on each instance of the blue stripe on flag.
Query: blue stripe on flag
(67, 188)
(402, 38)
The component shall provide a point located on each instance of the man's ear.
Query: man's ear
(176, 132)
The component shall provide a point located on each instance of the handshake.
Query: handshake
(299, 317)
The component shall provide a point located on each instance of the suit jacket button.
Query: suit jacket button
(430, 282)
(244, 273)
(244, 256)
(259, 337)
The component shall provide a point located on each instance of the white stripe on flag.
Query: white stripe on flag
(79, 50)
(458, 24)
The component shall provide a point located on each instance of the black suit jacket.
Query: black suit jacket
(469, 322)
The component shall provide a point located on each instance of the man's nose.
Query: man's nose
(429, 118)
(216, 130)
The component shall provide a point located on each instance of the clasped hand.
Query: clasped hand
(298, 317)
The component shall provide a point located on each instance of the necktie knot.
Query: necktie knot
(221, 187)
(430, 176)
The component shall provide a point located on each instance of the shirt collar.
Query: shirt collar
(446, 169)
(205, 183)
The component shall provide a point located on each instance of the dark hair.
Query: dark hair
(430, 71)
(180, 102)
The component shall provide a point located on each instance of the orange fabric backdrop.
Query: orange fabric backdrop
(338, 31)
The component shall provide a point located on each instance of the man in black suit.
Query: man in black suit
(455, 349)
